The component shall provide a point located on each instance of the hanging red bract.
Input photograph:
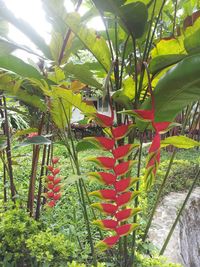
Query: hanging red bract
(117, 197)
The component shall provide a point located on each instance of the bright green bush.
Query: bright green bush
(47, 247)
(156, 261)
(23, 241)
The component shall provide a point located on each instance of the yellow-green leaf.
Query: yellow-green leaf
(180, 142)
(96, 45)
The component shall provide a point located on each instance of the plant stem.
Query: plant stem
(158, 196)
(8, 152)
(37, 213)
(179, 213)
(175, 12)
(36, 151)
(67, 37)
(136, 201)
(73, 153)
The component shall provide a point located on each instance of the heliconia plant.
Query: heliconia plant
(117, 197)
(53, 184)
(153, 158)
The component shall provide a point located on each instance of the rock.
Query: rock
(184, 246)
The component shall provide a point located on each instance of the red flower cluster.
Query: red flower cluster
(117, 197)
(154, 150)
(53, 184)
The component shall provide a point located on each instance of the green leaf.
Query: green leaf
(169, 47)
(107, 5)
(18, 66)
(192, 39)
(25, 131)
(8, 85)
(97, 46)
(24, 27)
(86, 145)
(72, 179)
(179, 87)
(36, 140)
(82, 73)
(180, 142)
(134, 16)
(66, 98)
(161, 62)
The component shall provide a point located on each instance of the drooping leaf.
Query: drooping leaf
(134, 16)
(18, 66)
(97, 46)
(24, 27)
(36, 140)
(82, 73)
(180, 142)
(177, 88)
(8, 85)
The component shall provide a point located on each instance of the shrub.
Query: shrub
(156, 261)
(23, 241)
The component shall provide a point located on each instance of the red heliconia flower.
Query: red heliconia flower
(107, 194)
(161, 126)
(123, 214)
(125, 197)
(126, 229)
(50, 186)
(147, 115)
(57, 181)
(56, 171)
(51, 203)
(57, 196)
(106, 224)
(50, 194)
(123, 151)
(50, 168)
(50, 177)
(32, 135)
(103, 142)
(56, 189)
(104, 120)
(123, 168)
(125, 183)
(55, 160)
(120, 131)
(126, 213)
(108, 242)
(105, 162)
(105, 207)
(103, 177)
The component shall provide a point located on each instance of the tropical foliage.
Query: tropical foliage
(146, 63)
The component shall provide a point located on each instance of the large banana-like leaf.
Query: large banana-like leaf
(18, 66)
(82, 73)
(12, 87)
(24, 27)
(177, 88)
(62, 102)
(192, 38)
(95, 44)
